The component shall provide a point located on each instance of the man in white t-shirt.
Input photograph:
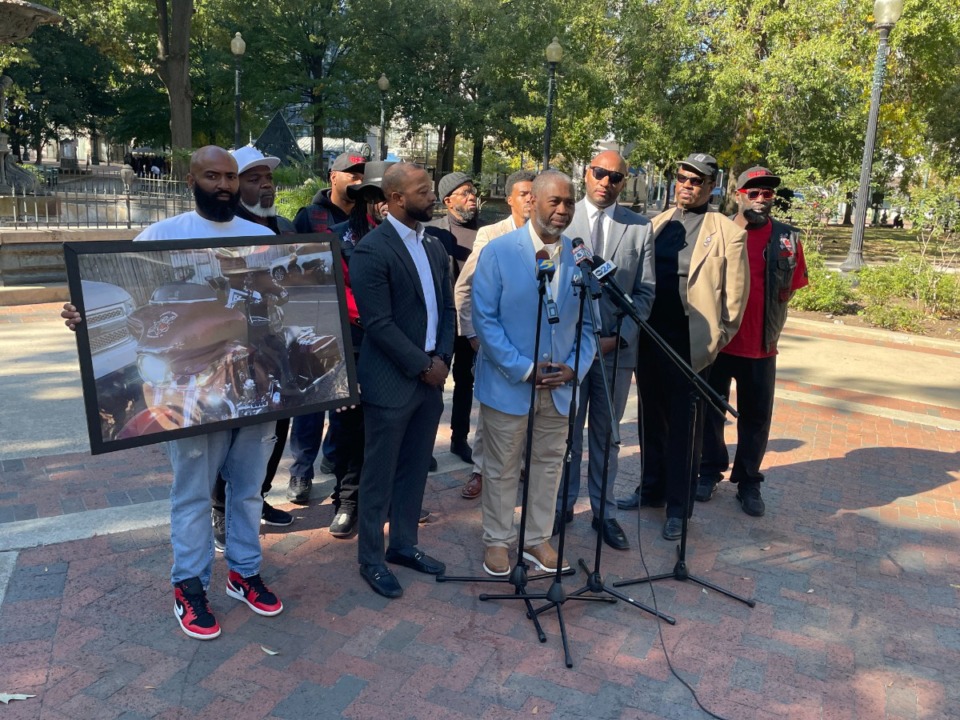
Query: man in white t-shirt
(240, 455)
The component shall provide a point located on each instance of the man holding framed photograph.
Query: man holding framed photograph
(240, 455)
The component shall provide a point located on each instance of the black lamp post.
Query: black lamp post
(384, 84)
(885, 14)
(237, 47)
(554, 55)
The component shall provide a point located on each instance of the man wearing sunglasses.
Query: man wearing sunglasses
(626, 238)
(777, 270)
(702, 281)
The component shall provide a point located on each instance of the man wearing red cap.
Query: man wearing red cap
(777, 270)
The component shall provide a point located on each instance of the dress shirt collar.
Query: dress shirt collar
(406, 233)
(538, 244)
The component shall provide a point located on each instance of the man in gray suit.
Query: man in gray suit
(626, 239)
(401, 282)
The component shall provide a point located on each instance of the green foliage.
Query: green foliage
(294, 174)
(895, 317)
(290, 200)
(828, 291)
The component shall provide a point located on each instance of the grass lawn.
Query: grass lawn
(885, 244)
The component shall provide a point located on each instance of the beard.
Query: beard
(547, 229)
(260, 210)
(420, 214)
(465, 215)
(213, 207)
(756, 218)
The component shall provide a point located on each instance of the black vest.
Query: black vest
(781, 257)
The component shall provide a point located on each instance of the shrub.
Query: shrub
(827, 292)
(289, 200)
(895, 317)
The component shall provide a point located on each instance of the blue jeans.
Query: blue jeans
(240, 456)
(306, 432)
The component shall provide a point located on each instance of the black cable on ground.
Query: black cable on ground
(643, 564)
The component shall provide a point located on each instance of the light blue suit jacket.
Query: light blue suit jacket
(505, 295)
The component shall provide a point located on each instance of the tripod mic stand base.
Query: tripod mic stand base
(681, 573)
(595, 584)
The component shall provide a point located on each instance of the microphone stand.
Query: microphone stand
(698, 389)
(556, 595)
(518, 576)
(595, 582)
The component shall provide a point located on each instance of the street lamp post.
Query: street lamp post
(237, 47)
(554, 55)
(885, 13)
(384, 84)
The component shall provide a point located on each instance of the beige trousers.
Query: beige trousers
(503, 444)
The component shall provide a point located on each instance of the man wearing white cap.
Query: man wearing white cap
(257, 196)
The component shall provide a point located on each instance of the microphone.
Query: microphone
(582, 254)
(545, 272)
(603, 272)
(584, 258)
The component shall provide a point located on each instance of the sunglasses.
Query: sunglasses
(692, 180)
(600, 173)
(765, 193)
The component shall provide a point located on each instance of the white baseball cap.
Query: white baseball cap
(248, 157)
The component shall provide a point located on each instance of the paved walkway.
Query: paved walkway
(855, 569)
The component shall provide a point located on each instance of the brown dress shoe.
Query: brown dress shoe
(473, 488)
(543, 557)
(496, 561)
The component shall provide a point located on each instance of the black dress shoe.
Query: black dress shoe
(381, 580)
(672, 528)
(416, 560)
(639, 499)
(462, 450)
(613, 534)
(706, 487)
(433, 464)
(566, 517)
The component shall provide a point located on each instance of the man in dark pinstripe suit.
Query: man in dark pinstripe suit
(401, 281)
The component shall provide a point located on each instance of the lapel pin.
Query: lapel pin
(708, 240)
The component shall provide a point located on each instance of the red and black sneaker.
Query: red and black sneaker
(254, 593)
(193, 613)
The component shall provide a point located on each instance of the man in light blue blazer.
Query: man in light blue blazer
(505, 307)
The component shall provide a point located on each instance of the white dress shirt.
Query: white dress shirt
(592, 212)
(413, 241)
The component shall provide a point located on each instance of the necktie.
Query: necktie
(598, 235)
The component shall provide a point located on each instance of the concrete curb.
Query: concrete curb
(34, 294)
(840, 330)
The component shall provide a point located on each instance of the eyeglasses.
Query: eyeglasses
(692, 180)
(466, 192)
(765, 193)
(600, 173)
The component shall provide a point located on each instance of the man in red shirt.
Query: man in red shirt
(777, 270)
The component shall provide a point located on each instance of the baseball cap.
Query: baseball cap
(372, 178)
(348, 161)
(449, 183)
(248, 157)
(702, 163)
(757, 177)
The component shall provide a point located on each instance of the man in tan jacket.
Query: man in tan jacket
(518, 188)
(702, 283)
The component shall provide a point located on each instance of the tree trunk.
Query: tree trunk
(173, 67)
(318, 129)
(477, 158)
(447, 138)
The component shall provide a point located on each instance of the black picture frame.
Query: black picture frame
(186, 337)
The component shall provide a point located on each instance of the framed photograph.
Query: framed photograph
(183, 337)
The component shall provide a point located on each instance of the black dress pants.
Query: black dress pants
(665, 394)
(756, 380)
(463, 357)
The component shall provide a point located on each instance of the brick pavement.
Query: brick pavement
(854, 568)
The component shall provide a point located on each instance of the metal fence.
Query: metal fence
(97, 203)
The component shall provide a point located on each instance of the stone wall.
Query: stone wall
(35, 257)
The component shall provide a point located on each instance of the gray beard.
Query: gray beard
(260, 211)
